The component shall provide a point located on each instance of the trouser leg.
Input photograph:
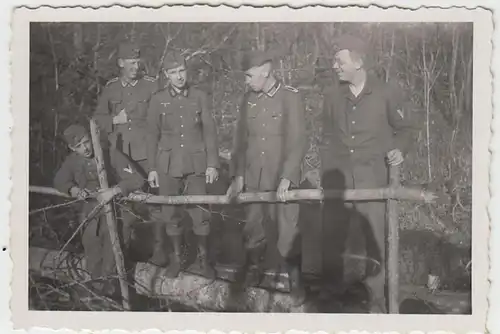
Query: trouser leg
(254, 240)
(93, 251)
(287, 216)
(170, 186)
(372, 216)
(111, 283)
(92, 247)
(195, 185)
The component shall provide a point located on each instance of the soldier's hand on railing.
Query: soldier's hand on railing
(283, 189)
(395, 157)
(211, 175)
(153, 179)
(106, 195)
(79, 193)
(236, 187)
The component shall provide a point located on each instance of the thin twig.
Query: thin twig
(55, 206)
(89, 217)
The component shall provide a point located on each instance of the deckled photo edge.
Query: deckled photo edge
(482, 36)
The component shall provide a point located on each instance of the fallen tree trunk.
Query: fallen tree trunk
(188, 289)
(216, 295)
(398, 193)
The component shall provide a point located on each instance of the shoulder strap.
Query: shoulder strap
(291, 89)
(148, 78)
(111, 81)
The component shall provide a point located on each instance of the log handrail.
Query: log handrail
(397, 193)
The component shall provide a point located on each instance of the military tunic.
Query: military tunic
(270, 144)
(182, 143)
(134, 98)
(358, 132)
(82, 172)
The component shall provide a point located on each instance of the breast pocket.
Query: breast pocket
(167, 120)
(275, 122)
(115, 106)
(142, 108)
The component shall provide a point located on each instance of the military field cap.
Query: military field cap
(255, 58)
(173, 59)
(129, 50)
(351, 43)
(74, 134)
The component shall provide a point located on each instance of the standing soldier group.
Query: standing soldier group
(166, 138)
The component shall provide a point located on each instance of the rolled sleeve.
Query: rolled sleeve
(400, 120)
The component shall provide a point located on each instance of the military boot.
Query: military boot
(206, 268)
(297, 290)
(175, 266)
(160, 254)
(253, 269)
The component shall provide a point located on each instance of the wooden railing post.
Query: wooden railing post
(393, 244)
(110, 218)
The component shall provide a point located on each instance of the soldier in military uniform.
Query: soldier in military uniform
(365, 127)
(121, 114)
(78, 177)
(270, 143)
(122, 106)
(183, 157)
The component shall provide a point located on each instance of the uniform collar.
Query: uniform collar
(131, 83)
(173, 92)
(371, 81)
(274, 89)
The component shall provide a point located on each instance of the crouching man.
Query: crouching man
(78, 177)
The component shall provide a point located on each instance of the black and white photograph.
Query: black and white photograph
(254, 166)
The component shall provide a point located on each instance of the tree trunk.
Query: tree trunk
(78, 39)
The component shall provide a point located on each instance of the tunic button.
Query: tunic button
(352, 151)
(353, 122)
(182, 125)
(182, 135)
(181, 116)
(352, 137)
(182, 145)
(263, 138)
(353, 107)
(262, 153)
